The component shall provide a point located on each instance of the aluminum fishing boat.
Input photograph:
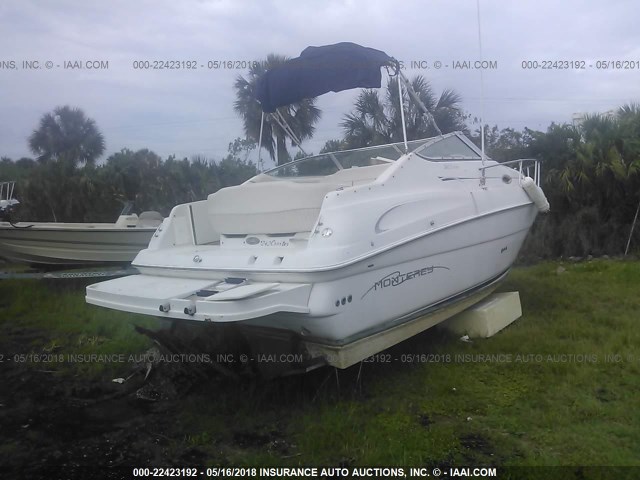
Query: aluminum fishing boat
(351, 248)
(60, 244)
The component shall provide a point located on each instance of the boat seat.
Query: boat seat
(270, 207)
(273, 205)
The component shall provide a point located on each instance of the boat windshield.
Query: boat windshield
(329, 163)
(451, 146)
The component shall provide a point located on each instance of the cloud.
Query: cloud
(190, 112)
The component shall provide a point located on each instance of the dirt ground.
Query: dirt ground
(49, 418)
(46, 422)
(54, 424)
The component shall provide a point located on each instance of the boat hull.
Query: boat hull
(344, 304)
(412, 280)
(74, 244)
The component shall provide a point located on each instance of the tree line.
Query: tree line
(65, 184)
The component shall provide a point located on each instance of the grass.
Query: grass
(566, 397)
(51, 319)
(563, 390)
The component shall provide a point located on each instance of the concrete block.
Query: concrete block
(486, 318)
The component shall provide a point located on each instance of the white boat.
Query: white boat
(58, 244)
(342, 248)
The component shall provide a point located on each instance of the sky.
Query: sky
(190, 112)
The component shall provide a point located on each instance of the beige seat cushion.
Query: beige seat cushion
(272, 207)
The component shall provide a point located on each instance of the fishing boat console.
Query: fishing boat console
(7, 202)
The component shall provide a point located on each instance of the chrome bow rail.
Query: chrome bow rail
(525, 165)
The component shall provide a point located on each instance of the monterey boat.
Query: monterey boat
(59, 244)
(347, 251)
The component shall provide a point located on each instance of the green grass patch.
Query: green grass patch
(50, 320)
(566, 396)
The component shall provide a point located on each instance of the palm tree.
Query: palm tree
(332, 146)
(377, 120)
(603, 169)
(629, 111)
(300, 116)
(67, 136)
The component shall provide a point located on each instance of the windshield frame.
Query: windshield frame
(420, 151)
(397, 146)
(336, 161)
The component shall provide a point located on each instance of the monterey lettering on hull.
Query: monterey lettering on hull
(396, 278)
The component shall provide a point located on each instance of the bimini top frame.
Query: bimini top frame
(329, 68)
